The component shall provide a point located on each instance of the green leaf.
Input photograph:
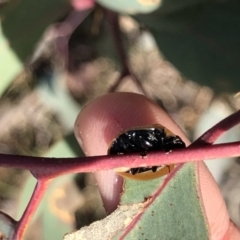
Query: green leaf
(52, 90)
(131, 6)
(7, 225)
(135, 191)
(200, 38)
(53, 207)
(173, 212)
(66, 148)
(22, 24)
(57, 208)
(202, 41)
(147, 6)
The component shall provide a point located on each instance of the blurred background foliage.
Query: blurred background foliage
(55, 58)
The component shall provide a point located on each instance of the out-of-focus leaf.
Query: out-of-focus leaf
(147, 6)
(10, 65)
(201, 38)
(94, 34)
(53, 91)
(173, 213)
(7, 225)
(58, 208)
(202, 41)
(131, 6)
(67, 147)
(22, 24)
(56, 204)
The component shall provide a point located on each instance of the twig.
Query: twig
(47, 168)
(36, 198)
(210, 136)
(116, 34)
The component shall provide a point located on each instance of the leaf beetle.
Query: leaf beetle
(143, 140)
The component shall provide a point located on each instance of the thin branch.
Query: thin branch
(210, 136)
(116, 34)
(45, 168)
(118, 81)
(36, 198)
(93, 164)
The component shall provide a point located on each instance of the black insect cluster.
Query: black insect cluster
(142, 141)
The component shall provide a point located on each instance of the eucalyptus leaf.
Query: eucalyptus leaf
(21, 26)
(202, 41)
(7, 225)
(200, 38)
(173, 212)
(147, 6)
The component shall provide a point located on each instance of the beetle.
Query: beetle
(143, 140)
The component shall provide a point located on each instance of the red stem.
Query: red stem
(210, 136)
(46, 168)
(36, 198)
(119, 80)
(116, 34)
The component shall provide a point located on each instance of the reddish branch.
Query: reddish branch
(35, 200)
(48, 168)
(113, 20)
(210, 136)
